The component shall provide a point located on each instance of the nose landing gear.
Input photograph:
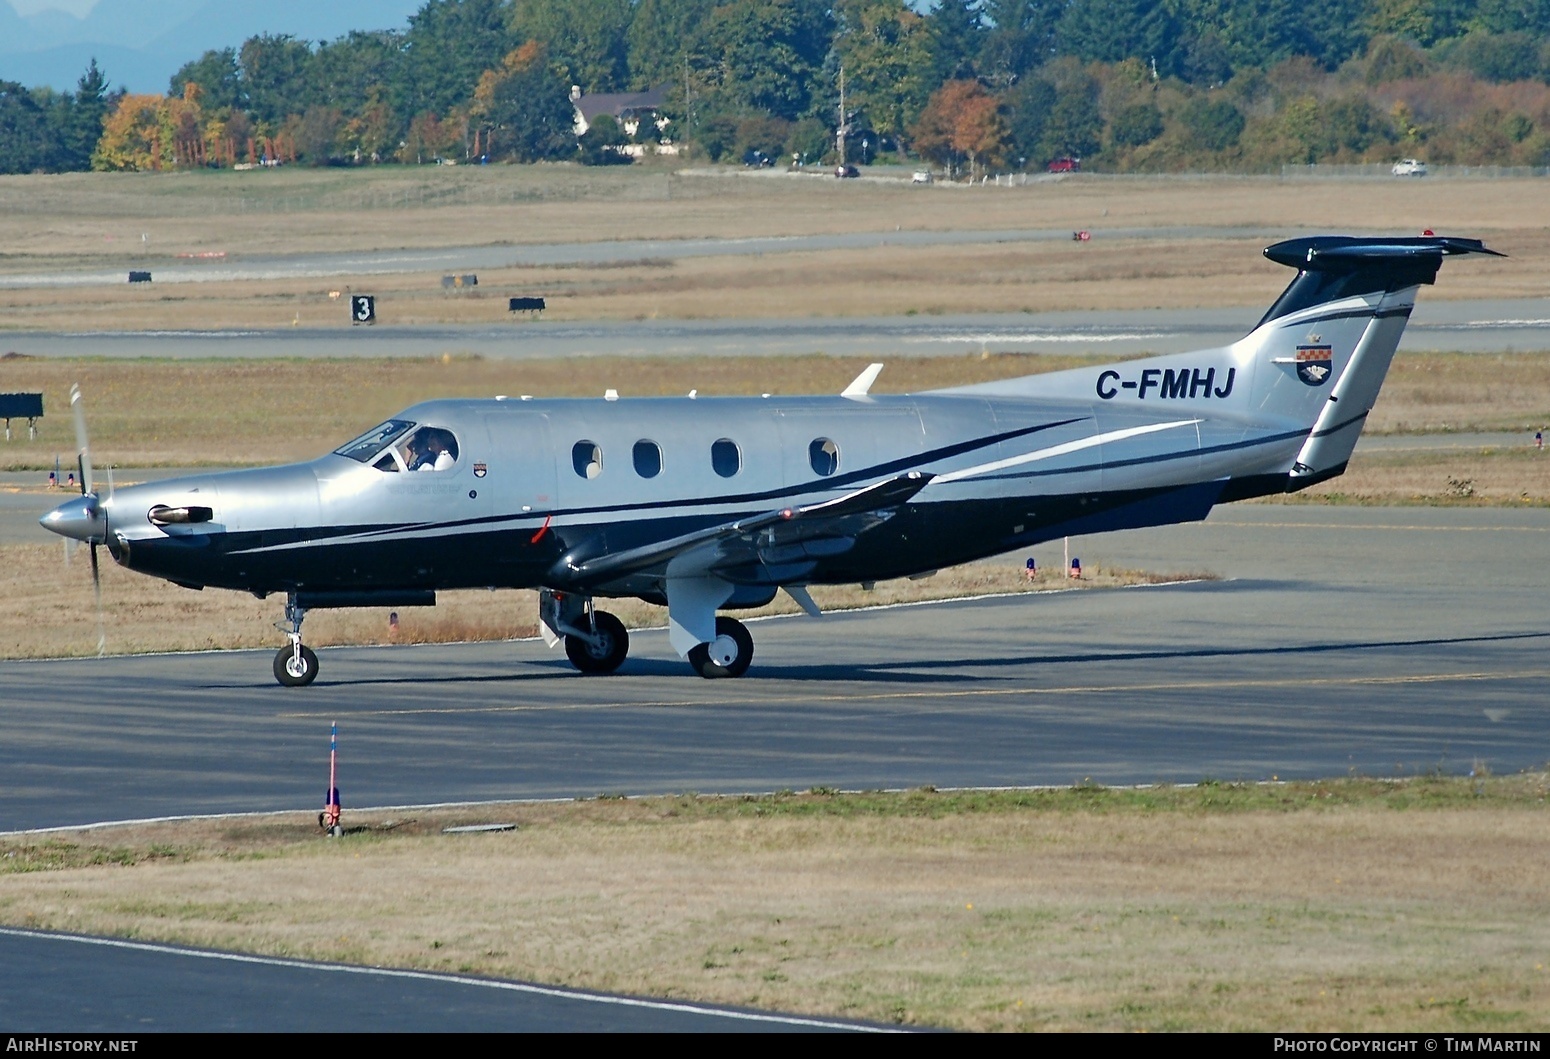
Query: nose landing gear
(295, 666)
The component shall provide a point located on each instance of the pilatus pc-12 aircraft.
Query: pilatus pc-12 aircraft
(718, 503)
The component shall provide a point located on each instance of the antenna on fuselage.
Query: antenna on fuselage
(862, 384)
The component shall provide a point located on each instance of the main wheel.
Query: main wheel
(727, 655)
(296, 672)
(607, 654)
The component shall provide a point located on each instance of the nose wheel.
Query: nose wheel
(295, 666)
(602, 652)
(728, 655)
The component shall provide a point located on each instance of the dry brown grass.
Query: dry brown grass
(51, 609)
(96, 220)
(99, 216)
(147, 413)
(1483, 476)
(1077, 911)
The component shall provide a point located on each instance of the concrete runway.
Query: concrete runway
(1479, 326)
(1369, 640)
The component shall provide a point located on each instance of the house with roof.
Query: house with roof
(631, 110)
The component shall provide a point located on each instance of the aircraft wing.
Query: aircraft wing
(760, 547)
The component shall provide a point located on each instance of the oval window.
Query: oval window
(648, 459)
(587, 458)
(725, 458)
(824, 455)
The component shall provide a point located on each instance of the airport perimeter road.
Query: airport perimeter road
(1381, 641)
(1495, 326)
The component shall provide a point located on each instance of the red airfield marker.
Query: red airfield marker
(328, 819)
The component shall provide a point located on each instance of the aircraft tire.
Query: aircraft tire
(284, 674)
(699, 656)
(606, 657)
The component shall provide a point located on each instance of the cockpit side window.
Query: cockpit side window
(364, 448)
(429, 449)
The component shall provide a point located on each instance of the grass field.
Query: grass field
(124, 221)
(1353, 904)
(184, 413)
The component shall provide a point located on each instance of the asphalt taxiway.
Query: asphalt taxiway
(1380, 640)
(126, 988)
(1369, 640)
(1470, 326)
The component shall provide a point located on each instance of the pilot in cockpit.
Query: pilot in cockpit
(433, 450)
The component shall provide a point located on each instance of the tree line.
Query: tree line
(972, 85)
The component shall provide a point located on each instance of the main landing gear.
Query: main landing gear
(728, 655)
(597, 642)
(295, 666)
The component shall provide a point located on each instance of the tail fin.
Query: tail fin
(1362, 290)
(1310, 369)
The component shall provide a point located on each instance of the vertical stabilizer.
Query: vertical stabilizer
(1361, 291)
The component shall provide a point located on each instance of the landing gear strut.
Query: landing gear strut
(295, 666)
(728, 655)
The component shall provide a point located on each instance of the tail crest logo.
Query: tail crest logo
(1314, 364)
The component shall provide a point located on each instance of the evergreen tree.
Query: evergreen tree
(448, 45)
(275, 69)
(763, 55)
(656, 42)
(80, 118)
(957, 34)
(219, 77)
(585, 37)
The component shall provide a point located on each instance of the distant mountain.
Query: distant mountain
(140, 44)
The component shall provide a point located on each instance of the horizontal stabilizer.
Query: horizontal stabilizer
(1344, 253)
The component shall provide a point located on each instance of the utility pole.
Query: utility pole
(839, 135)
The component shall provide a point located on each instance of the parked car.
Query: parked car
(844, 171)
(1409, 167)
(1066, 165)
(920, 176)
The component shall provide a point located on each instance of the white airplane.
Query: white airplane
(715, 504)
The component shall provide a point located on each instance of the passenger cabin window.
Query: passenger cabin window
(824, 455)
(648, 459)
(725, 457)
(587, 458)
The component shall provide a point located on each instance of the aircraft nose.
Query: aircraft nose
(81, 519)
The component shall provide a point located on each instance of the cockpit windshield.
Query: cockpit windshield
(375, 440)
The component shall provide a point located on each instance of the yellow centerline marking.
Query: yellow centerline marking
(963, 693)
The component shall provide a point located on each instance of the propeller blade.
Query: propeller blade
(83, 450)
(96, 587)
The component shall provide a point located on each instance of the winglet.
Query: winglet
(862, 383)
